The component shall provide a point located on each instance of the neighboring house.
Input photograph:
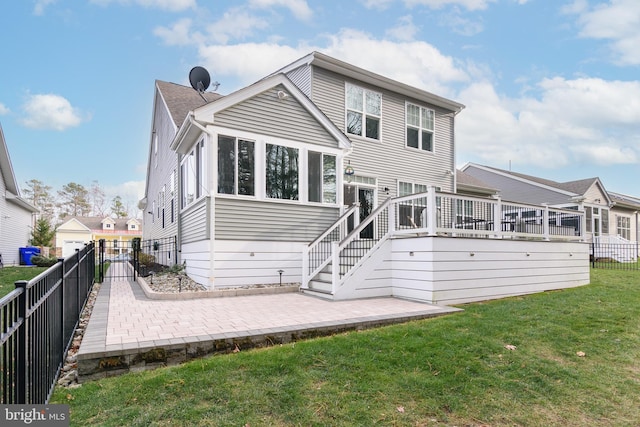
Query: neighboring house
(78, 231)
(262, 182)
(16, 214)
(608, 214)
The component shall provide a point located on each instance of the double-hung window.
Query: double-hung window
(281, 172)
(364, 108)
(322, 177)
(420, 127)
(624, 226)
(236, 166)
(193, 173)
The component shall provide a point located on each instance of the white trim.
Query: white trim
(206, 113)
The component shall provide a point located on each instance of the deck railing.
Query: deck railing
(37, 324)
(453, 215)
(435, 213)
(318, 253)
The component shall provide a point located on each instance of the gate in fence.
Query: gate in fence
(128, 259)
(37, 323)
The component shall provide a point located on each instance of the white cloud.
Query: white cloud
(178, 34)
(130, 192)
(405, 30)
(50, 112)
(616, 21)
(40, 5)
(4, 109)
(299, 8)
(170, 5)
(415, 63)
(438, 4)
(235, 24)
(569, 121)
(433, 4)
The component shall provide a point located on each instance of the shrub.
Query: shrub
(42, 261)
(146, 259)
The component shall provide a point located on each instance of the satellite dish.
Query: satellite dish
(199, 79)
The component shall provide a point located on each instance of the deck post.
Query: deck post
(305, 266)
(497, 216)
(432, 211)
(335, 266)
(391, 218)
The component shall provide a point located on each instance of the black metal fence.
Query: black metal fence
(619, 256)
(37, 323)
(156, 255)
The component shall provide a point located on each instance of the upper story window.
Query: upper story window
(281, 172)
(193, 171)
(420, 127)
(132, 226)
(364, 109)
(236, 166)
(107, 225)
(322, 177)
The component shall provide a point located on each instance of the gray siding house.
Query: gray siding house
(16, 214)
(610, 217)
(340, 179)
(246, 179)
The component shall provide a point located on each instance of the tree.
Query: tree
(40, 196)
(118, 208)
(43, 233)
(96, 194)
(74, 200)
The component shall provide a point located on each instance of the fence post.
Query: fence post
(78, 301)
(22, 388)
(545, 222)
(101, 244)
(63, 311)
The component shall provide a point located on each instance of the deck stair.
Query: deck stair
(348, 251)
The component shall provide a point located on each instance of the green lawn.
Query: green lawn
(10, 275)
(446, 371)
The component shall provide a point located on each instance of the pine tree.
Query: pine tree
(43, 233)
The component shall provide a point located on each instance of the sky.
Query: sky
(551, 88)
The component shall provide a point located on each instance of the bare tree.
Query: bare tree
(97, 199)
(39, 195)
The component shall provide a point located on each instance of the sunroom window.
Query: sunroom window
(420, 127)
(236, 166)
(322, 177)
(193, 172)
(364, 109)
(281, 172)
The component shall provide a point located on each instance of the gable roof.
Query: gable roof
(94, 223)
(180, 99)
(344, 68)
(206, 114)
(571, 189)
(467, 182)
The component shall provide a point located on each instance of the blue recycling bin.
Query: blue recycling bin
(26, 254)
